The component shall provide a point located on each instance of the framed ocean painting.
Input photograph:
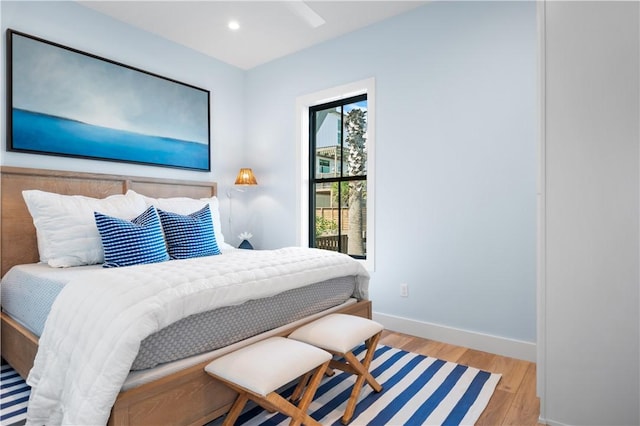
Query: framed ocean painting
(62, 101)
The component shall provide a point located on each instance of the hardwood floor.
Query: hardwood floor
(514, 401)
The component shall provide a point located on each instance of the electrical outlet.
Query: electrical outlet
(404, 290)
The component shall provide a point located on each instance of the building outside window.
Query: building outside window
(338, 176)
(324, 166)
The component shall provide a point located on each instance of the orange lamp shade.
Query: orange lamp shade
(246, 177)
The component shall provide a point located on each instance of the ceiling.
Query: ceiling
(268, 29)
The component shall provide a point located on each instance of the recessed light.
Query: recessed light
(234, 25)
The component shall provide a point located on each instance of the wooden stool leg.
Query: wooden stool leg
(312, 387)
(362, 370)
(285, 407)
(302, 383)
(236, 409)
(353, 399)
(309, 393)
(372, 344)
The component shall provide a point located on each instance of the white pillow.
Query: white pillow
(185, 206)
(65, 226)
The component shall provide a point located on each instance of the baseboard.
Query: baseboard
(482, 342)
(550, 422)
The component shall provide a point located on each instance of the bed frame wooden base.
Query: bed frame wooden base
(187, 397)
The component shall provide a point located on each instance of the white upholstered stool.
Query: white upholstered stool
(340, 334)
(258, 370)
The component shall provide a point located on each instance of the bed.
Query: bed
(185, 395)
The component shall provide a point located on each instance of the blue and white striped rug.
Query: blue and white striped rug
(417, 390)
(14, 395)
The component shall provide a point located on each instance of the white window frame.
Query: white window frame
(303, 103)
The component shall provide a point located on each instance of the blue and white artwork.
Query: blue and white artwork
(65, 102)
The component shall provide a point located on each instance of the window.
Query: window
(338, 176)
(306, 208)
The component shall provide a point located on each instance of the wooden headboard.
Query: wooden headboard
(18, 242)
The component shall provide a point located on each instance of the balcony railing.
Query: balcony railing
(331, 242)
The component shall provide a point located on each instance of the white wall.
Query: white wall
(589, 342)
(456, 169)
(76, 26)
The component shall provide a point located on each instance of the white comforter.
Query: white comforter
(94, 330)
